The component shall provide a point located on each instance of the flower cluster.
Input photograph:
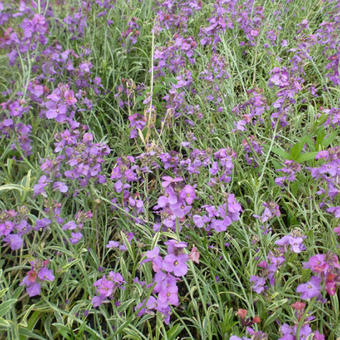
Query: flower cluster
(132, 32)
(13, 225)
(76, 226)
(36, 276)
(252, 110)
(291, 169)
(252, 147)
(78, 158)
(271, 209)
(327, 176)
(289, 86)
(106, 287)
(176, 202)
(275, 259)
(326, 270)
(167, 272)
(220, 217)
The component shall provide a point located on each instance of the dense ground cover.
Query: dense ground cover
(169, 169)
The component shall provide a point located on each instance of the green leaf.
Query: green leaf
(174, 331)
(319, 138)
(280, 152)
(29, 335)
(6, 306)
(62, 329)
(295, 151)
(3, 291)
(326, 142)
(4, 323)
(307, 156)
(12, 187)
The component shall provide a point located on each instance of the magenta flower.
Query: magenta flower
(317, 264)
(194, 255)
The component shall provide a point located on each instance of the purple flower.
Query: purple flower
(62, 187)
(153, 255)
(335, 211)
(55, 110)
(71, 225)
(149, 305)
(169, 197)
(6, 228)
(221, 225)
(317, 264)
(280, 77)
(167, 180)
(200, 221)
(104, 287)
(310, 289)
(287, 332)
(113, 244)
(40, 187)
(76, 237)
(188, 194)
(45, 274)
(97, 300)
(116, 277)
(234, 208)
(258, 283)
(180, 209)
(175, 247)
(33, 289)
(15, 241)
(176, 264)
(295, 243)
(42, 223)
(271, 210)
